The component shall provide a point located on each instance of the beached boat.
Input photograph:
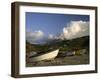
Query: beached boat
(44, 56)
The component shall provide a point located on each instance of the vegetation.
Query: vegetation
(64, 45)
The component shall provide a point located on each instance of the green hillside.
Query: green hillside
(63, 45)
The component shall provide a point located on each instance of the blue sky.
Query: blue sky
(50, 23)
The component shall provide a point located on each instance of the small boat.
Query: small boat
(33, 53)
(46, 56)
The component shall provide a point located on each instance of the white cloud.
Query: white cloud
(33, 36)
(50, 36)
(75, 29)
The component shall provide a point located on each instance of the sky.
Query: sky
(41, 26)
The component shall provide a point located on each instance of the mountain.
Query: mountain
(78, 42)
(63, 45)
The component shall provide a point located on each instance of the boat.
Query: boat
(44, 56)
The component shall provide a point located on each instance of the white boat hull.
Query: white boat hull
(46, 56)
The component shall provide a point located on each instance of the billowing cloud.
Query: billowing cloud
(50, 36)
(75, 29)
(33, 36)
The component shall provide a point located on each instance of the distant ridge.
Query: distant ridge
(78, 43)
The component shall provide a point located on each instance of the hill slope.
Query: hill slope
(63, 45)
